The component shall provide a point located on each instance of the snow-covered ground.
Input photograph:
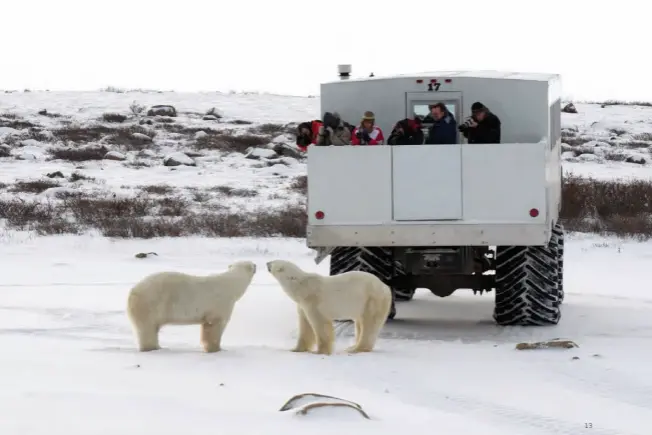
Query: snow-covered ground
(69, 365)
(68, 360)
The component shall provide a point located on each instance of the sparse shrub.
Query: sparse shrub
(300, 184)
(618, 131)
(79, 154)
(78, 176)
(606, 206)
(236, 192)
(157, 189)
(137, 109)
(33, 186)
(271, 129)
(230, 143)
(114, 117)
(646, 136)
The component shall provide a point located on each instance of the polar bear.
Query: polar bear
(355, 295)
(174, 298)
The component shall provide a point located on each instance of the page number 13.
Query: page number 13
(588, 425)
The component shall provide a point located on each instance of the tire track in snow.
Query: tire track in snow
(612, 385)
(526, 422)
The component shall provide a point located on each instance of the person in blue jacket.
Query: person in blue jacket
(444, 127)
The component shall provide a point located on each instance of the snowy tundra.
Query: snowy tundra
(70, 366)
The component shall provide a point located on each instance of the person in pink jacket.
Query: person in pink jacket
(367, 133)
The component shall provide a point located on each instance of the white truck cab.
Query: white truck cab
(443, 217)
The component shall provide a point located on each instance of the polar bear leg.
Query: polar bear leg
(306, 339)
(147, 335)
(323, 329)
(371, 323)
(211, 335)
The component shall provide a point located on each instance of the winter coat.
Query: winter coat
(443, 132)
(411, 133)
(487, 130)
(341, 135)
(374, 138)
(314, 127)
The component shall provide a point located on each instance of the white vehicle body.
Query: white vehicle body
(440, 195)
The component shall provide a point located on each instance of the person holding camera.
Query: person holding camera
(444, 126)
(367, 133)
(406, 132)
(482, 126)
(333, 131)
(307, 134)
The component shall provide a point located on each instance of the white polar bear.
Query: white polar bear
(173, 298)
(355, 295)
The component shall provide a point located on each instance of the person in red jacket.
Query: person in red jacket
(367, 133)
(307, 133)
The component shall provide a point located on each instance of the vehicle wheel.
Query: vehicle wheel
(527, 290)
(402, 294)
(377, 261)
(558, 237)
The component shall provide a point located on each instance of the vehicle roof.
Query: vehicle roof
(488, 74)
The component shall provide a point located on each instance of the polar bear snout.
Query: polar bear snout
(249, 266)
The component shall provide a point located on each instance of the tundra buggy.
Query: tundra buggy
(445, 217)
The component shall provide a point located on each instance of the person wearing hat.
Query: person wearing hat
(367, 133)
(483, 127)
(333, 132)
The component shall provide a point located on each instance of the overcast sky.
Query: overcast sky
(601, 48)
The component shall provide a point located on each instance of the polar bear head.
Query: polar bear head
(283, 269)
(248, 267)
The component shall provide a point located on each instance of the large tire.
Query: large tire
(527, 291)
(558, 239)
(377, 261)
(402, 294)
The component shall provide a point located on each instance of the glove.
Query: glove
(366, 137)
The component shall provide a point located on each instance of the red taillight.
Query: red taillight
(534, 212)
(448, 81)
(319, 215)
(433, 80)
(419, 80)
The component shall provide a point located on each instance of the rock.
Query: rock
(145, 255)
(556, 343)
(5, 150)
(147, 153)
(638, 159)
(569, 108)
(287, 151)
(200, 134)
(114, 155)
(162, 110)
(193, 154)
(178, 159)
(26, 156)
(8, 131)
(43, 112)
(259, 153)
(588, 157)
(57, 174)
(146, 121)
(568, 155)
(213, 112)
(30, 143)
(565, 147)
(140, 137)
(285, 138)
(210, 118)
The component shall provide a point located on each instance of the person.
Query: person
(307, 133)
(482, 127)
(367, 133)
(406, 132)
(444, 126)
(333, 131)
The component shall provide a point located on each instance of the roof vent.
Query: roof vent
(344, 71)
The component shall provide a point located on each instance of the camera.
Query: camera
(466, 124)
